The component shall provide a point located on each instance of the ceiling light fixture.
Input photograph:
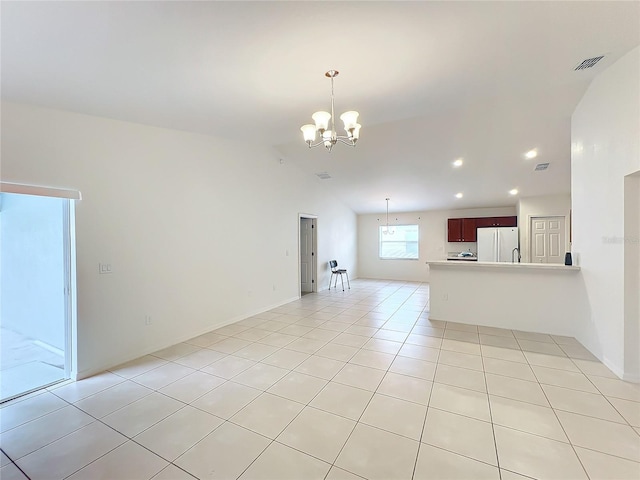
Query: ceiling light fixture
(513, 192)
(387, 230)
(458, 163)
(329, 137)
(531, 154)
(459, 195)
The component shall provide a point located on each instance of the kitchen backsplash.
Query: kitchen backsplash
(461, 247)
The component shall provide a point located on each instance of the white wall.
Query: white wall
(433, 241)
(196, 228)
(32, 273)
(544, 206)
(606, 148)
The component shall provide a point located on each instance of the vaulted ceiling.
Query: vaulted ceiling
(433, 82)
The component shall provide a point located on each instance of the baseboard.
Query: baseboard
(120, 360)
(619, 371)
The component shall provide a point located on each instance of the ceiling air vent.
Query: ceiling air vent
(323, 176)
(588, 63)
(541, 166)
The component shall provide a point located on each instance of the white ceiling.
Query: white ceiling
(433, 81)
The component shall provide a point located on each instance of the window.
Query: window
(403, 244)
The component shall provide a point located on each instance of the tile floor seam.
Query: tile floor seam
(626, 424)
(12, 462)
(573, 448)
(493, 430)
(255, 459)
(99, 457)
(610, 455)
(128, 438)
(612, 405)
(426, 413)
(59, 438)
(34, 418)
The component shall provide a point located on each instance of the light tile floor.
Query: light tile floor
(337, 385)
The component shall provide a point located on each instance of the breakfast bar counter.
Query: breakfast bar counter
(545, 298)
(505, 265)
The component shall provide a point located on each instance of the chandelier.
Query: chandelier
(329, 136)
(388, 230)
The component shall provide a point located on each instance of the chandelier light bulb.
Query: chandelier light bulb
(350, 120)
(327, 138)
(356, 133)
(309, 133)
(322, 120)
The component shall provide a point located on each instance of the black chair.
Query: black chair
(333, 265)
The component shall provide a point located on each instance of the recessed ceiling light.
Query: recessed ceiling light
(531, 154)
(459, 195)
(458, 163)
(513, 192)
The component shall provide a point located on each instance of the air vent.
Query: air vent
(588, 63)
(541, 166)
(323, 176)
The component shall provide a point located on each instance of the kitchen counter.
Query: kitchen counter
(504, 265)
(532, 297)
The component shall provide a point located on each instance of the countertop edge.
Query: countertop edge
(505, 265)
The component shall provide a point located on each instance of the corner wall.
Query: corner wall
(199, 231)
(606, 148)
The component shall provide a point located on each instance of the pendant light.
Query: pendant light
(388, 230)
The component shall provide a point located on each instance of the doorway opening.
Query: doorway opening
(548, 239)
(307, 258)
(36, 259)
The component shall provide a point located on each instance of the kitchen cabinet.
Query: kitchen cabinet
(461, 230)
(454, 230)
(497, 222)
(465, 229)
(469, 230)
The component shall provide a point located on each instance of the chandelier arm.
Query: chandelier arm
(317, 144)
(346, 141)
(321, 143)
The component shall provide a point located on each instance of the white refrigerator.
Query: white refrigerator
(497, 244)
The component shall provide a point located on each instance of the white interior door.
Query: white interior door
(306, 255)
(548, 241)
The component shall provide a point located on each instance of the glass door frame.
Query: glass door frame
(69, 260)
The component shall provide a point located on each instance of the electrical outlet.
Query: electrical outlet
(147, 320)
(445, 296)
(104, 268)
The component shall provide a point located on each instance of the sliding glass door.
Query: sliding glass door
(35, 307)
